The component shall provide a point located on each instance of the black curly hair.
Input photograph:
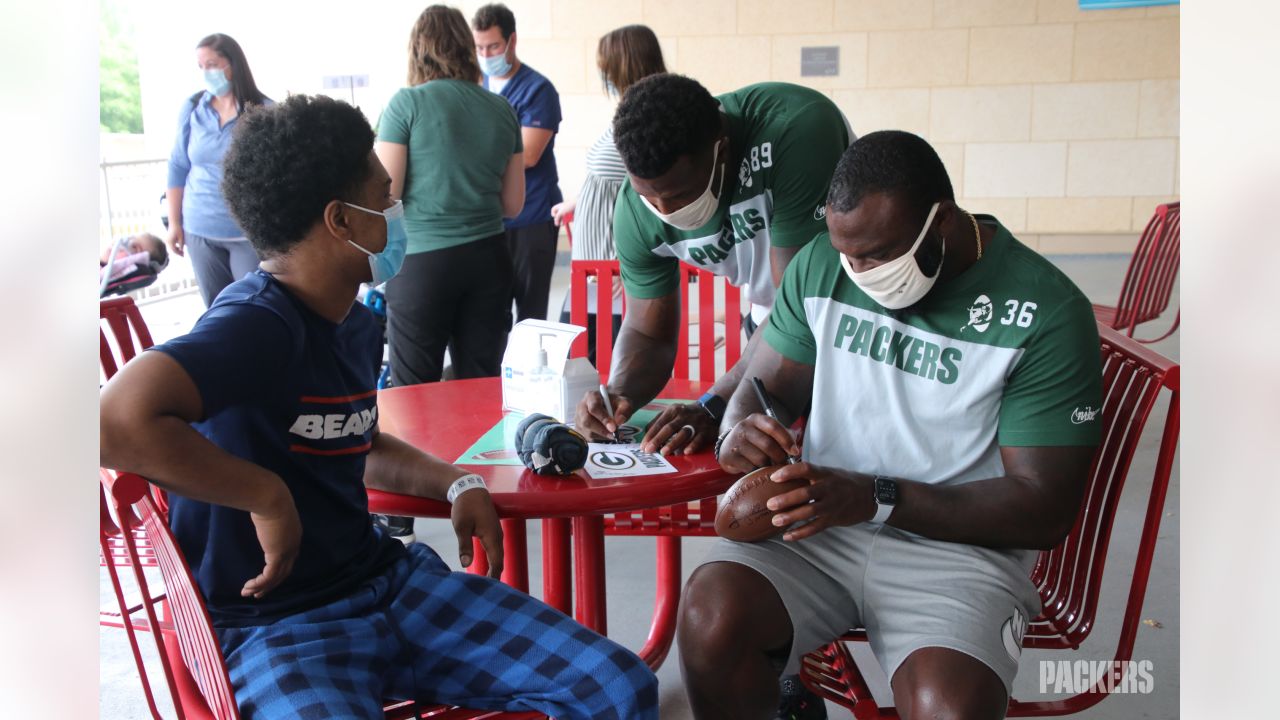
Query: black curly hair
(661, 118)
(890, 161)
(287, 161)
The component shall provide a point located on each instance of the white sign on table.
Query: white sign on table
(608, 460)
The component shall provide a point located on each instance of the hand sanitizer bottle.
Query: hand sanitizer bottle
(542, 381)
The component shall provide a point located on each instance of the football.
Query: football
(742, 515)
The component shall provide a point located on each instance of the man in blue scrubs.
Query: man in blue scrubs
(532, 234)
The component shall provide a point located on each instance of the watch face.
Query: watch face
(886, 491)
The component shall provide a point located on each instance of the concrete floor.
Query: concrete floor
(631, 591)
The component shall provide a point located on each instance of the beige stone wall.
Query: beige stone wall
(1063, 123)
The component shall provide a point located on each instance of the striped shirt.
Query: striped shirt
(593, 218)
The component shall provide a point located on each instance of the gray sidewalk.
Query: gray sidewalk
(630, 560)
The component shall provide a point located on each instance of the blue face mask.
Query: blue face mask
(387, 263)
(494, 66)
(216, 82)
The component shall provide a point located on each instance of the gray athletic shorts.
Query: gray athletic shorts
(909, 592)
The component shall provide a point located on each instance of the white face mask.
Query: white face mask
(900, 282)
(700, 211)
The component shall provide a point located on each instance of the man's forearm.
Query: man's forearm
(729, 382)
(396, 466)
(1003, 512)
(641, 366)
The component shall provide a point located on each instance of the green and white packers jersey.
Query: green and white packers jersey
(1005, 354)
(785, 142)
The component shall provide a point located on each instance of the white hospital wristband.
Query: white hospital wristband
(463, 484)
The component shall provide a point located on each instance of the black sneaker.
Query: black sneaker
(797, 702)
(400, 528)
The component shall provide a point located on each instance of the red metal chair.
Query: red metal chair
(122, 334)
(1149, 282)
(128, 334)
(190, 656)
(671, 523)
(1070, 576)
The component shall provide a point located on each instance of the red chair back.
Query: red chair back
(122, 334)
(1153, 270)
(605, 274)
(697, 289)
(177, 618)
(695, 281)
(1069, 577)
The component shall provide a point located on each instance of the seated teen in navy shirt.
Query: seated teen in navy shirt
(262, 424)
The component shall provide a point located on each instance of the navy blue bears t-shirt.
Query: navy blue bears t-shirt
(537, 105)
(294, 393)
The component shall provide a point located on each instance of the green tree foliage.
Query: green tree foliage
(119, 94)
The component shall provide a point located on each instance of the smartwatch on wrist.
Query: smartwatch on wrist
(713, 405)
(885, 493)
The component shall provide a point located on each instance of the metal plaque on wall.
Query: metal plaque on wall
(819, 61)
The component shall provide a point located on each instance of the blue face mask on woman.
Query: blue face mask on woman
(216, 82)
(387, 263)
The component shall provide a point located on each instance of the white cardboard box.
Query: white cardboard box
(574, 377)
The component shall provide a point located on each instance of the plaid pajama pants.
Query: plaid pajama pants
(422, 632)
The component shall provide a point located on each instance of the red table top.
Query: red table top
(446, 418)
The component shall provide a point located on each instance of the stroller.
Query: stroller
(143, 274)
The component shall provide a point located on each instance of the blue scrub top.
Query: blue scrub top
(537, 105)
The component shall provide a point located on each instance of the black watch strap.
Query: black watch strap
(714, 405)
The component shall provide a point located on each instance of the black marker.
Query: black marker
(767, 404)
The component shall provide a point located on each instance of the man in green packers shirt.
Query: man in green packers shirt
(952, 382)
(734, 185)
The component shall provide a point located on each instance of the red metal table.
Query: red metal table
(445, 418)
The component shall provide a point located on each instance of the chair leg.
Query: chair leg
(590, 607)
(479, 559)
(666, 603)
(515, 565)
(557, 564)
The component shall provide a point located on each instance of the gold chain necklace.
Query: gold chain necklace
(977, 236)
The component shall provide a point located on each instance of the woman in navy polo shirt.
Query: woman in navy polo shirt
(198, 217)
